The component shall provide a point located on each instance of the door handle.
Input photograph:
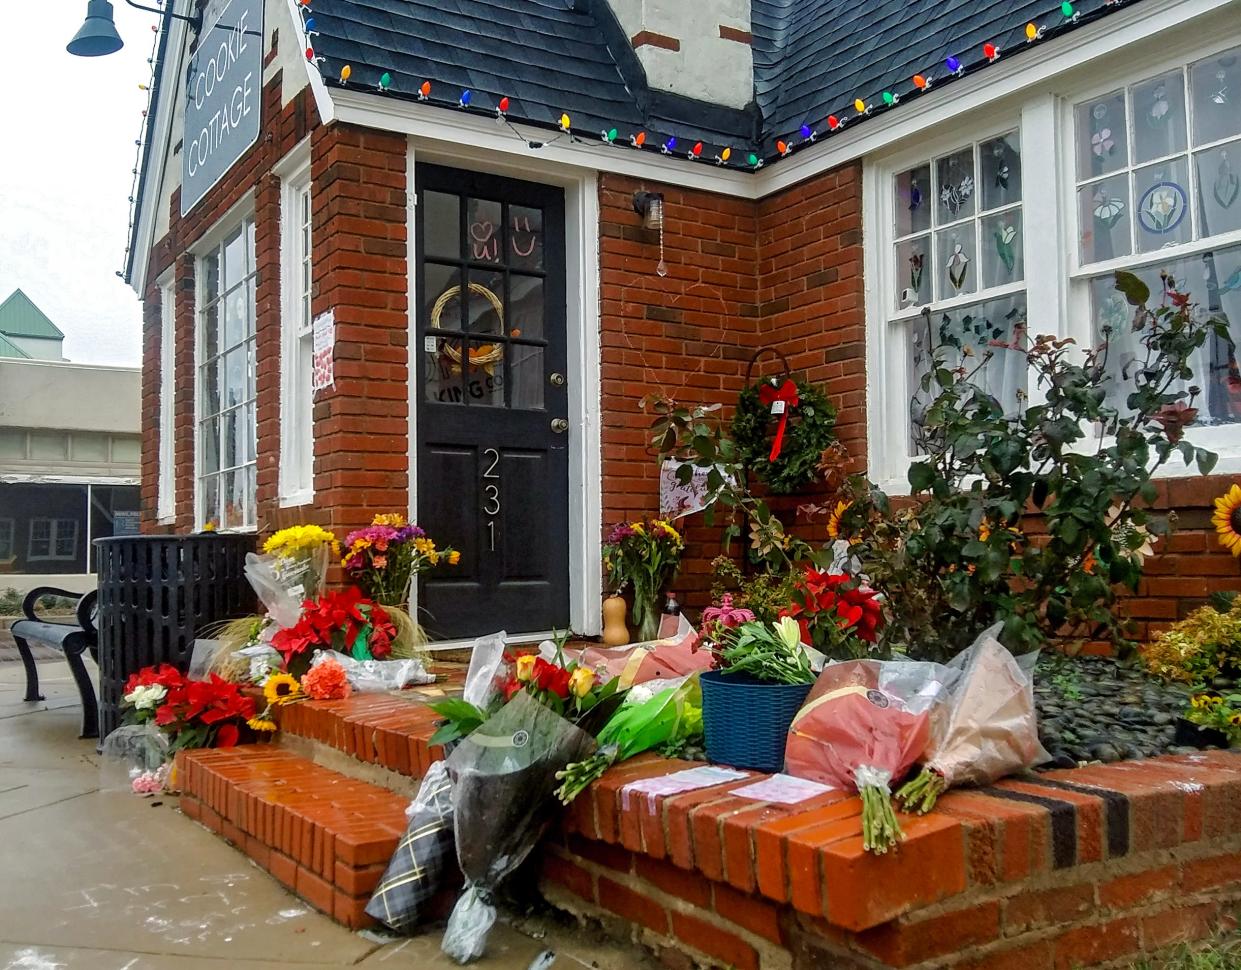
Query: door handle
(560, 425)
(557, 380)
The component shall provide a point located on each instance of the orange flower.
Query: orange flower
(326, 681)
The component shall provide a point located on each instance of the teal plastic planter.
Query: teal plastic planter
(746, 722)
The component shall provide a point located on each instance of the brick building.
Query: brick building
(476, 273)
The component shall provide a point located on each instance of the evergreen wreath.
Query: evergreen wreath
(809, 431)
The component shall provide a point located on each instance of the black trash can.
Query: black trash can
(155, 594)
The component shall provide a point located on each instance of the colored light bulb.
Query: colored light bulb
(920, 82)
(385, 80)
(833, 122)
(1066, 8)
(806, 131)
(782, 147)
(639, 139)
(310, 24)
(504, 103)
(889, 98)
(565, 122)
(752, 159)
(1031, 32)
(726, 154)
(143, 87)
(611, 135)
(953, 65)
(345, 73)
(310, 53)
(425, 89)
(989, 51)
(465, 98)
(697, 149)
(671, 144)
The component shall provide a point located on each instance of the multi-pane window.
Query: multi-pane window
(959, 267)
(166, 495)
(1158, 186)
(6, 539)
(226, 383)
(53, 539)
(297, 357)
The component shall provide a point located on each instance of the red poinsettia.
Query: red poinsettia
(197, 713)
(165, 675)
(827, 605)
(334, 621)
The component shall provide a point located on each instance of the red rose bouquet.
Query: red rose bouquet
(347, 622)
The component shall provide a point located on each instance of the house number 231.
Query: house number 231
(491, 494)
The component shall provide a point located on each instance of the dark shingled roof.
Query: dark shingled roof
(811, 58)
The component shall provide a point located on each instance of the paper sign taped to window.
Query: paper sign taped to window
(323, 372)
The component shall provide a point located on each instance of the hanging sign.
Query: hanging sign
(324, 347)
(223, 89)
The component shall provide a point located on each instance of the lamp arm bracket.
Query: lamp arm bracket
(195, 20)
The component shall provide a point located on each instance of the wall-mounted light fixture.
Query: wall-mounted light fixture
(650, 206)
(98, 35)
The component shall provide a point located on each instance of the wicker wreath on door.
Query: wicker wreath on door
(488, 354)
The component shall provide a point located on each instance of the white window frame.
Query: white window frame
(1224, 440)
(8, 537)
(295, 483)
(54, 536)
(889, 387)
(212, 243)
(166, 494)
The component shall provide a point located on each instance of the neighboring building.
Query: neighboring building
(69, 454)
(986, 182)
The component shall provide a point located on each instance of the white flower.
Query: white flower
(146, 698)
(788, 631)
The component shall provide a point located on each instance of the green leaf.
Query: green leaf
(1133, 289)
(1206, 461)
(921, 475)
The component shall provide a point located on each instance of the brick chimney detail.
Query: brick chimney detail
(699, 49)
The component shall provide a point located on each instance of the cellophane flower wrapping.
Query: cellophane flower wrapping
(989, 727)
(283, 583)
(863, 726)
(131, 754)
(503, 776)
(416, 870)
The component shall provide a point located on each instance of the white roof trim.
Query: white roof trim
(323, 100)
(37, 479)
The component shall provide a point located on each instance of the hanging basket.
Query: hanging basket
(746, 721)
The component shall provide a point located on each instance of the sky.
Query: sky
(65, 170)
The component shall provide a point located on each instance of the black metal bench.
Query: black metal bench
(71, 639)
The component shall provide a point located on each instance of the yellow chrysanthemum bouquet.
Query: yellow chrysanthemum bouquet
(292, 569)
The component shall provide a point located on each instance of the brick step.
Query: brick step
(388, 731)
(325, 836)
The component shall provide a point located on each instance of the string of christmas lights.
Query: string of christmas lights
(1064, 17)
(140, 143)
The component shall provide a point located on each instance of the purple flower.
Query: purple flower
(620, 533)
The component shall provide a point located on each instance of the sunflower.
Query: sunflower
(261, 723)
(834, 519)
(282, 689)
(1227, 519)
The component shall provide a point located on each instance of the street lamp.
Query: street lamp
(98, 34)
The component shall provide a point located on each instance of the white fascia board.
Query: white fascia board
(356, 106)
(323, 100)
(938, 106)
(36, 478)
(155, 159)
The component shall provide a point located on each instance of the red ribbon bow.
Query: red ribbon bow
(768, 394)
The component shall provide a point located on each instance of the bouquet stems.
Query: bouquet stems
(580, 774)
(880, 829)
(919, 795)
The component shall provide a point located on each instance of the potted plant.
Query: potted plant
(643, 556)
(761, 679)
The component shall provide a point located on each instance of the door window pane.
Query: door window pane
(441, 370)
(484, 384)
(525, 237)
(1101, 136)
(485, 224)
(441, 225)
(442, 289)
(485, 313)
(1162, 209)
(913, 200)
(528, 377)
(525, 309)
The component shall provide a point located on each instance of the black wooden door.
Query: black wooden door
(493, 466)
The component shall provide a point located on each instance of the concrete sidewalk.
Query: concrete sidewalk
(113, 881)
